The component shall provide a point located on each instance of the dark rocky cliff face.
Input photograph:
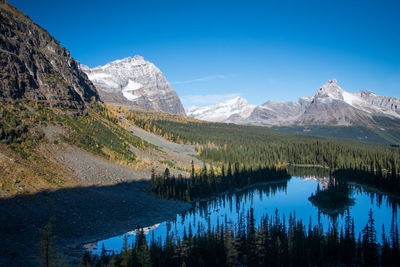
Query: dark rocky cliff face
(34, 66)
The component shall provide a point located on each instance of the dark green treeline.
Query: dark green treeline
(207, 183)
(380, 164)
(387, 181)
(221, 143)
(272, 243)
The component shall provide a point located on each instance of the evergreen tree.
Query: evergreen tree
(369, 244)
(142, 254)
(104, 258)
(126, 257)
(48, 257)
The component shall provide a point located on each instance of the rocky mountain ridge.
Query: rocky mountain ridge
(331, 105)
(134, 82)
(35, 66)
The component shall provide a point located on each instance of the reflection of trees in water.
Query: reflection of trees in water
(392, 201)
(333, 201)
(336, 198)
(239, 198)
(338, 190)
(333, 242)
(272, 243)
(363, 180)
(208, 183)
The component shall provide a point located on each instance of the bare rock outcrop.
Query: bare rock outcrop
(33, 65)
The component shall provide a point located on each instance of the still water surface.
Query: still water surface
(287, 197)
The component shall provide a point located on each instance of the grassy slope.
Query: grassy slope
(22, 167)
(25, 167)
(20, 174)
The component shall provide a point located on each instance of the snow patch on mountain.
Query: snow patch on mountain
(351, 98)
(128, 90)
(105, 80)
(135, 82)
(223, 111)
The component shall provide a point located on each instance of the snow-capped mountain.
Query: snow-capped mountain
(234, 110)
(134, 82)
(331, 105)
(365, 100)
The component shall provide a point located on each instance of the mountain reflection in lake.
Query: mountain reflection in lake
(287, 197)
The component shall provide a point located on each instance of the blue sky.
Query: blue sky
(214, 50)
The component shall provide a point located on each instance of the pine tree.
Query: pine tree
(192, 171)
(142, 254)
(231, 249)
(125, 253)
(166, 173)
(48, 257)
(370, 247)
(103, 255)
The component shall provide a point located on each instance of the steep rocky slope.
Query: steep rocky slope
(135, 82)
(34, 66)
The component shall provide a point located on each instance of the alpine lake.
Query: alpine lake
(315, 199)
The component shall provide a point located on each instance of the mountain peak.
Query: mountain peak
(132, 81)
(134, 59)
(333, 81)
(329, 84)
(237, 99)
(125, 62)
(137, 58)
(331, 90)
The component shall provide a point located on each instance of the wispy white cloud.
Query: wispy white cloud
(203, 79)
(206, 100)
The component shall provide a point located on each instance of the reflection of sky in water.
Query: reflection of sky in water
(293, 198)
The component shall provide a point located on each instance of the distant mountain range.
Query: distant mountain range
(331, 105)
(36, 67)
(134, 82)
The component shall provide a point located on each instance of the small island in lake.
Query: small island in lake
(332, 199)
